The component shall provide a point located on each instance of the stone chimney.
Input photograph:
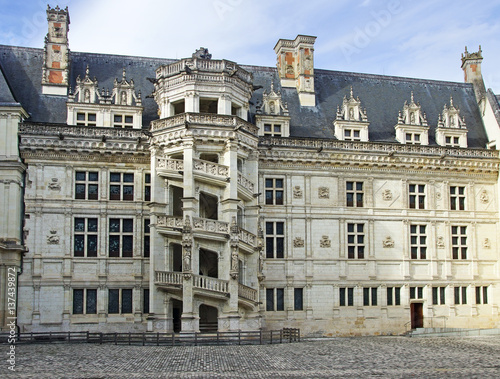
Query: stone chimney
(296, 66)
(471, 64)
(55, 73)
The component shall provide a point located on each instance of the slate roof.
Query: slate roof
(382, 96)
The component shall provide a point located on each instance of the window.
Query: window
(275, 299)
(438, 295)
(86, 119)
(85, 238)
(274, 191)
(123, 121)
(452, 141)
(416, 293)
(120, 300)
(354, 194)
(413, 138)
(298, 299)
(393, 295)
(418, 242)
(460, 295)
(457, 198)
(275, 239)
(355, 241)
(370, 296)
(145, 302)
(459, 242)
(121, 186)
(86, 185)
(274, 130)
(147, 187)
(417, 196)
(84, 301)
(121, 237)
(146, 238)
(346, 296)
(482, 295)
(352, 135)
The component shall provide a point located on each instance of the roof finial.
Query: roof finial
(412, 97)
(352, 95)
(123, 73)
(451, 101)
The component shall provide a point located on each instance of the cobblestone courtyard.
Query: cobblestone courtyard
(388, 357)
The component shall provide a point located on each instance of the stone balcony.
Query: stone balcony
(204, 285)
(204, 171)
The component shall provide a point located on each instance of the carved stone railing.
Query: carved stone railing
(170, 222)
(63, 130)
(247, 292)
(211, 284)
(170, 164)
(245, 183)
(376, 147)
(248, 238)
(211, 168)
(197, 66)
(169, 277)
(209, 225)
(203, 119)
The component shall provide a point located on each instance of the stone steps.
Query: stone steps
(452, 332)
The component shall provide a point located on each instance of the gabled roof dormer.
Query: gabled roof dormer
(451, 130)
(412, 125)
(89, 106)
(272, 116)
(351, 122)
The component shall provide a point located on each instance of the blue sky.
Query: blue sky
(421, 39)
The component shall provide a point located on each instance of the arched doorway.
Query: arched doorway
(208, 318)
(176, 315)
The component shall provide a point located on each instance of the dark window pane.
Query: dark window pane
(342, 296)
(79, 224)
(280, 299)
(279, 183)
(147, 193)
(269, 197)
(350, 228)
(80, 191)
(78, 301)
(117, 118)
(92, 116)
(114, 225)
(280, 228)
(269, 299)
(389, 296)
(435, 300)
(350, 296)
(349, 186)
(79, 246)
(126, 301)
(145, 308)
(146, 226)
(128, 192)
(93, 176)
(92, 225)
(350, 252)
(442, 292)
(374, 296)
(127, 246)
(361, 252)
(464, 295)
(80, 175)
(359, 186)
(91, 301)
(412, 292)
(269, 247)
(366, 296)
(128, 225)
(93, 191)
(114, 246)
(92, 246)
(128, 178)
(113, 301)
(114, 177)
(350, 200)
(397, 295)
(147, 247)
(114, 192)
(478, 295)
(269, 183)
(147, 179)
(420, 291)
(129, 119)
(279, 197)
(280, 250)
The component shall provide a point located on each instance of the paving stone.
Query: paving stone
(367, 357)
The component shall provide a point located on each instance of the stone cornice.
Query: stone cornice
(320, 154)
(34, 129)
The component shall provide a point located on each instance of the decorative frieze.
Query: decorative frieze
(324, 192)
(325, 242)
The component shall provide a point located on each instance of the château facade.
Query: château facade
(144, 194)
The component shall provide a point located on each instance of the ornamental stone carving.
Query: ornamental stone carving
(325, 242)
(54, 185)
(298, 242)
(297, 192)
(53, 238)
(388, 242)
(324, 192)
(438, 196)
(440, 242)
(387, 195)
(484, 197)
(487, 243)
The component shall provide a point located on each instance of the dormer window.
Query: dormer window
(123, 121)
(452, 141)
(86, 119)
(451, 130)
(351, 123)
(272, 117)
(412, 128)
(274, 130)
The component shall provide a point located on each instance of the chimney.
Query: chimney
(471, 64)
(296, 67)
(55, 73)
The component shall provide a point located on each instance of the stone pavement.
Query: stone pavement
(360, 357)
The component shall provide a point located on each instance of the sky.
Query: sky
(418, 39)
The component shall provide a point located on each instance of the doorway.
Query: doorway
(417, 315)
(176, 315)
(208, 318)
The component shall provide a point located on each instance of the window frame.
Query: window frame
(86, 235)
(86, 294)
(417, 196)
(457, 198)
(275, 299)
(274, 194)
(119, 236)
(459, 242)
(418, 241)
(275, 241)
(118, 188)
(121, 304)
(356, 249)
(87, 184)
(357, 192)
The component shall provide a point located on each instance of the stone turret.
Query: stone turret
(56, 55)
